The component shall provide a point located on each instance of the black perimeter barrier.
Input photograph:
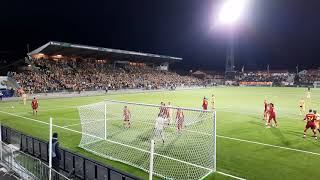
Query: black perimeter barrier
(75, 165)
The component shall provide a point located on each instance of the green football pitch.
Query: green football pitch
(245, 148)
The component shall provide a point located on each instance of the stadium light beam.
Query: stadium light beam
(232, 11)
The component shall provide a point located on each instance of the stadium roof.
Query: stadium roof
(54, 48)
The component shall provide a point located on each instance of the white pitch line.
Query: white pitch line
(224, 174)
(269, 145)
(229, 175)
(71, 125)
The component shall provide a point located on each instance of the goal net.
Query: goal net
(188, 153)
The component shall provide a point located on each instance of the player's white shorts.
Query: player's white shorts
(159, 133)
(167, 120)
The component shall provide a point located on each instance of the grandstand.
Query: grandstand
(61, 50)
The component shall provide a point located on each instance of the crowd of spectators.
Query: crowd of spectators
(57, 75)
(79, 75)
(277, 78)
(304, 78)
(308, 76)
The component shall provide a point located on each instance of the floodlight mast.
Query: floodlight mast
(230, 14)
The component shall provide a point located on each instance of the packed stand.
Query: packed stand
(49, 75)
(277, 78)
(308, 77)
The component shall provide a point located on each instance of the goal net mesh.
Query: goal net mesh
(186, 154)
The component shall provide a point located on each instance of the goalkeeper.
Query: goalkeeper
(159, 127)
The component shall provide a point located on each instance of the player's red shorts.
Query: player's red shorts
(205, 107)
(311, 125)
(272, 117)
(34, 107)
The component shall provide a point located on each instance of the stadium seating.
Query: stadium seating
(51, 76)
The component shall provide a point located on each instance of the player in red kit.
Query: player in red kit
(166, 115)
(272, 116)
(180, 120)
(205, 103)
(310, 118)
(126, 117)
(162, 110)
(34, 105)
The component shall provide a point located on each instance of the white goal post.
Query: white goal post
(187, 153)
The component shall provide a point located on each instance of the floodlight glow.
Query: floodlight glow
(232, 10)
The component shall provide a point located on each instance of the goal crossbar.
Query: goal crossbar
(158, 106)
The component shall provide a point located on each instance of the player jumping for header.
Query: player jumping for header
(34, 105)
(126, 117)
(310, 118)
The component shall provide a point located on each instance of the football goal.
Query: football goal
(184, 138)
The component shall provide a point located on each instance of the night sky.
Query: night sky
(282, 33)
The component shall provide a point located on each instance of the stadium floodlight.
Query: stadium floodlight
(232, 11)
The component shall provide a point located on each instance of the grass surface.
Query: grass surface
(239, 116)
